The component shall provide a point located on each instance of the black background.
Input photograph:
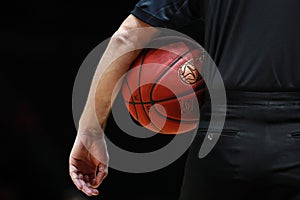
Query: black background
(43, 44)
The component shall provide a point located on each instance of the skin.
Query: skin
(88, 161)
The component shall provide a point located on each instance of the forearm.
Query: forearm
(121, 51)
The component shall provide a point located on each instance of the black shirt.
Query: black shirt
(255, 43)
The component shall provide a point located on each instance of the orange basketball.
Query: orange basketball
(163, 88)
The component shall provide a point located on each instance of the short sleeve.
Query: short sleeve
(169, 13)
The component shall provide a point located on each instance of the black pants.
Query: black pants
(257, 155)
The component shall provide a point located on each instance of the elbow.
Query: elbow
(124, 43)
(130, 38)
(123, 37)
(134, 33)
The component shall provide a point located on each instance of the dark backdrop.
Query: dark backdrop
(43, 44)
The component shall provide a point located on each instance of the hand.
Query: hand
(88, 163)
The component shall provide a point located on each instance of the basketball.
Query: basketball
(163, 88)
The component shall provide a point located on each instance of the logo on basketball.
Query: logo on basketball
(188, 73)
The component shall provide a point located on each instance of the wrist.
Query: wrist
(85, 129)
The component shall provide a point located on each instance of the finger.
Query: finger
(100, 177)
(85, 186)
(75, 179)
(88, 190)
(93, 182)
(85, 189)
(83, 182)
(93, 190)
(73, 168)
(73, 175)
(78, 184)
(86, 178)
(73, 172)
(89, 181)
(80, 176)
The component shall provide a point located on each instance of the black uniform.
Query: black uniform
(255, 44)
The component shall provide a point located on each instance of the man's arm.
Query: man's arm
(89, 158)
(117, 58)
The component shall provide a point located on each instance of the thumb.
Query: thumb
(101, 174)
